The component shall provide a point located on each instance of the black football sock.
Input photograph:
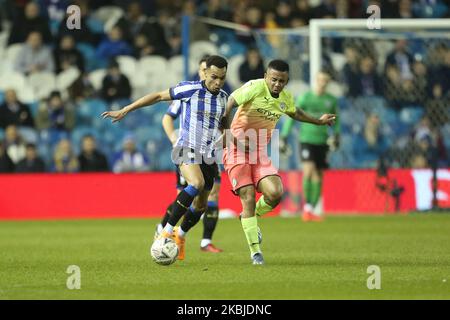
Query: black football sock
(190, 219)
(210, 219)
(167, 215)
(182, 204)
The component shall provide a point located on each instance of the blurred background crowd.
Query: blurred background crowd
(55, 82)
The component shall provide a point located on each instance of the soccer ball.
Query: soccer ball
(164, 251)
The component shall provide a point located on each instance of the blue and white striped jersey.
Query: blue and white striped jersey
(201, 113)
(174, 109)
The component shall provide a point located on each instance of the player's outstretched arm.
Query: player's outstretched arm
(325, 119)
(169, 128)
(147, 100)
(226, 121)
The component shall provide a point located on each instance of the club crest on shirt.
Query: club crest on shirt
(283, 106)
(234, 182)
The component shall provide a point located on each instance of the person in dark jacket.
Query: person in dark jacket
(6, 164)
(90, 159)
(115, 84)
(32, 162)
(12, 111)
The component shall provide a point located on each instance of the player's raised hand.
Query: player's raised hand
(115, 115)
(327, 119)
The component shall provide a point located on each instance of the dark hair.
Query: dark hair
(278, 65)
(204, 59)
(30, 145)
(88, 136)
(54, 94)
(217, 61)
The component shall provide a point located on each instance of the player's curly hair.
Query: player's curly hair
(278, 65)
(218, 61)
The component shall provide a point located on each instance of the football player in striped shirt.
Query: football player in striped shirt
(203, 109)
(211, 216)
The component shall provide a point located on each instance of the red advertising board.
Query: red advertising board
(67, 196)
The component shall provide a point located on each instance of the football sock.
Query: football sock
(190, 219)
(167, 215)
(210, 220)
(168, 228)
(262, 207)
(182, 203)
(205, 242)
(307, 190)
(250, 226)
(316, 190)
(181, 232)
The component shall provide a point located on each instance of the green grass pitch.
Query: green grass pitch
(326, 260)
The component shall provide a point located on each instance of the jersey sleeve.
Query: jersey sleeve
(247, 92)
(174, 109)
(183, 90)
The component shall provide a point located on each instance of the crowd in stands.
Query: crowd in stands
(55, 133)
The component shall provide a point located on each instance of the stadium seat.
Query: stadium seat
(198, 49)
(176, 67)
(96, 78)
(338, 60)
(2, 96)
(14, 80)
(65, 79)
(29, 135)
(42, 83)
(26, 95)
(233, 70)
(152, 67)
(411, 115)
(89, 55)
(2, 134)
(107, 12)
(12, 52)
(297, 87)
(127, 65)
(336, 89)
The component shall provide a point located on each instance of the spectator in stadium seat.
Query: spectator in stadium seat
(148, 36)
(115, 85)
(142, 47)
(55, 114)
(303, 10)
(252, 18)
(367, 82)
(30, 21)
(34, 56)
(114, 45)
(14, 144)
(399, 93)
(351, 68)
(32, 163)
(284, 14)
(370, 144)
(81, 88)
(215, 9)
(90, 159)
(437, 108)
(65, 160)
(12, 111)
(67, 55)
(130, 159)
(252, 67)
(6, 164)
(401, 59)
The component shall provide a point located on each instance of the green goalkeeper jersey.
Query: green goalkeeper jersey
(316, 106)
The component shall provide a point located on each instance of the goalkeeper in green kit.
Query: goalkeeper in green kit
(315, 142)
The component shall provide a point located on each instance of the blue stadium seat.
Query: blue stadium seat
(30, 135)
(89, 54)
(411, 115)
(79, 132)
(2, 134)
(2, 96)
